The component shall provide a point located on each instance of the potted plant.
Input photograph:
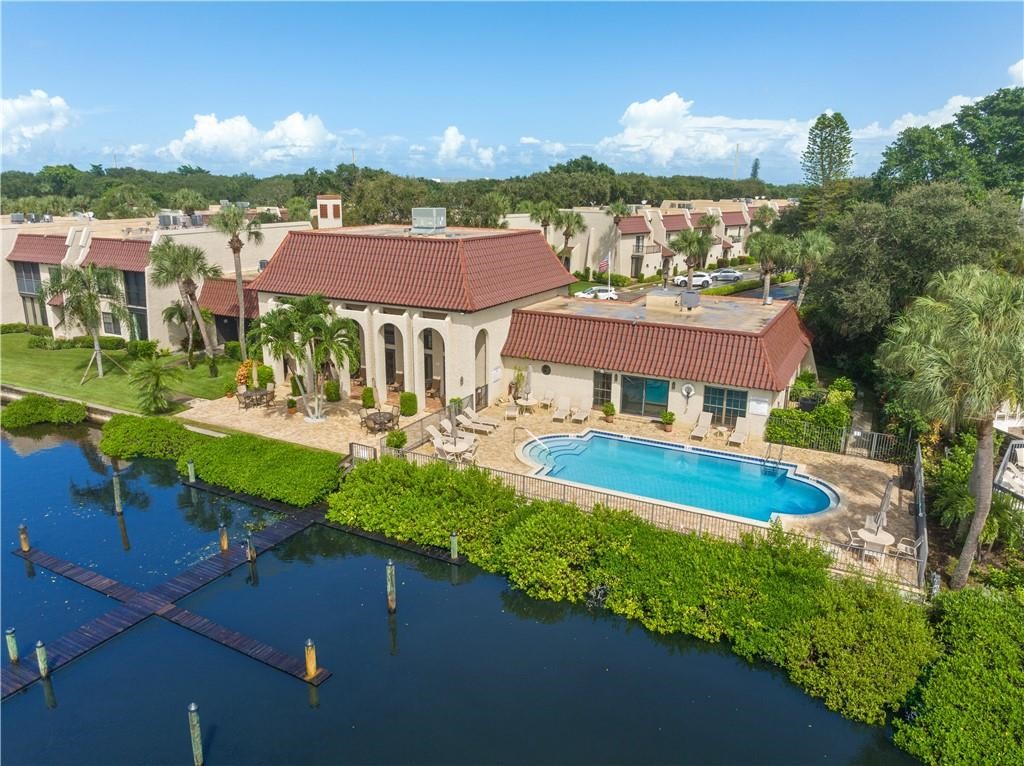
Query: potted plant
(609, 412)
(292, 407)
(667, 419)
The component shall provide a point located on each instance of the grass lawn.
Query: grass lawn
(576, 287)
(58, 372)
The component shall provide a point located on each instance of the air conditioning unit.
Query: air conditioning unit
(428, 220)
(165, 220)
(263, 265)
(197, 220)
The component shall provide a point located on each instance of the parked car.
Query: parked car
(601, 293)
(726, 275)
(700, 279)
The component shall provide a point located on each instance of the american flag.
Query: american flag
(603, 266)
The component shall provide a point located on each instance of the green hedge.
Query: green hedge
(8, 327)
(40, 330)
(233, 350)
(969, 708)
(141, 349)
(407, 404)
(131, 436)
(785, 426)
(265, 468)
(747, 284)
(107, 342)
(32, 409)
(857, 645)
(332, 391)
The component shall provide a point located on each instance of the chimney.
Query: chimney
(328, 211)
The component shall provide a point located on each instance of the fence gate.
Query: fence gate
(480, 397)
(878, 446)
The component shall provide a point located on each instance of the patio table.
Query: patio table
(381, 421)
(881, 537)
(457, 446)
(527, 404)
(254, 397)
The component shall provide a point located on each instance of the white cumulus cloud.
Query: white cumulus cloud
(552, 148)
(236, 138)
(26, 118)
(456, 149)
(940, 116)
(1017, 72)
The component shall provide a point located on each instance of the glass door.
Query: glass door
(644, 396)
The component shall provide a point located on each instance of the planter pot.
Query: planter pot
(292, 410)
(667, 427)
(230, 395)
(609, 418)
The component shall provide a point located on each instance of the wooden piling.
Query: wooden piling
(12, 646)
(191, 472)
(223, 539)
(196, 733)
(392, 590)
(23, 538)
(310, 658)
(41, 659)
(455, 546)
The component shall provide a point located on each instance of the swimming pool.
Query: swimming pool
(694, 477)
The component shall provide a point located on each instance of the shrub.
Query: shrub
(842, 383)
(786, 426)
(291, 403)
(40, 330)
(230, 386)
(233, 350)
(332, 391)
(668, 417)
(8, 327)
(264, 375)
(831, 415)
(33, 408)
(265, 468)
(152, 378)
(396, 439)
(969, 707)
(243, 375)
(367, 398)
(131, 436)
(141, 349)
(620, 280)
(407, 404)
(608, 409)
(107, 342)
(35, 341)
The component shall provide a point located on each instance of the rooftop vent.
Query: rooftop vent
(690, 299)
(428, 220)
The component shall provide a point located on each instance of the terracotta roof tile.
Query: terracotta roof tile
(734, 219)
(39, 248)
(457, 274)
(218, 297)
(676, 222)
(635, 224)
(765, 360)
(124, 254)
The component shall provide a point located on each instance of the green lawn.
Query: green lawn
(58, 372)
(576, 287)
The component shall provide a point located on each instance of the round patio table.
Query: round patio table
(527, 404)
(381, 420)
(457, 446)
(881, 537)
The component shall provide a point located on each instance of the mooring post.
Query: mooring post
(310, 658)
(12, 646)
(44, 664)
(252, 549)
(223, 538)
(23, 538)
(392, 593)
(191, 471)
(455, 546)
(197, 737)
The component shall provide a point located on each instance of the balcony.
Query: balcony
(646, 249)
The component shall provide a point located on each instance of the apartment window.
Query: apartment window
(323, 211)
(644, 396)
(27, 275)
(602, 387)
(110, 324)
(337, 211)
(638, 243)
(725, 405)
(135, 288)
(140, 323)
(428, 340)
(389, 335)
(35, 310)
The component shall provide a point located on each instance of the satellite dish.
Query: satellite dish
(689, 390)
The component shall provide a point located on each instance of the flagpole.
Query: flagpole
(609, 269)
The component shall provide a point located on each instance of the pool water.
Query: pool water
(468, 671)
(696, 478)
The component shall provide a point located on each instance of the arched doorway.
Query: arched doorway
(433, 364)
(480, 398)
(394, 358)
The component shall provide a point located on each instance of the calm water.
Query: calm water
(466, 672)
(688, 478)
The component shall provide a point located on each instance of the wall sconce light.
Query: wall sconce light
(673, 385)
(461, 379)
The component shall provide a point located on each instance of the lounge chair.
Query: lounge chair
(435, 435)
(580, 415)
(471, 425)
(481, 419)
(446, 427)
(740, 432)
(547, 401)
(562, 410)
(511, 411)
(700, 430)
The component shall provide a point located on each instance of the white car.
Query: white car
(600, 293)
(700, 279)
(726, 275)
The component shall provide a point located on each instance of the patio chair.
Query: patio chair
(511, 411)
(855, 543)
(580, 415)
(874, 550)
(363, 422)
(270, 395)
(700, 431)
(471, 425)
(481, 419)
(740, 432)
(547, 401)
(435, 435)
(907, 547)
(440, 449)
(562, 410)
(446, 427)
(469, 456)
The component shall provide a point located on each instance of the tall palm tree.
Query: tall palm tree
(815, 248)
(763, 218)
(692, 245)
(617, 210)
(184, 265)
(83, 290)
(773, 252)
(232, 222)
(307, 329)
(960, 354)
(544, 212)
(571, 223)
(177, 313)
(707, 223)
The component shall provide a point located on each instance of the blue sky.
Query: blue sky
(464, 90)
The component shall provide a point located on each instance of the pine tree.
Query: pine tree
(755, 169)
(829, 153)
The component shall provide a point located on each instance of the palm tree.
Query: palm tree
(708, 222)
(617, 210)
(693, 245)
(188, 201)
(306, 329)
(772, 252)
(184, 265)
(176, 313)
(815, 248)
(959, 353)
(231, 221)
(763, 218)
(152, 378)
(83, 290)
(544, 212)
(571, 223)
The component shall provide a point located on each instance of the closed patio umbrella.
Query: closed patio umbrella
(529, 382)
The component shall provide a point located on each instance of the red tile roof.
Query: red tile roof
(57, 300)
(727, 244)
(734, 219)
(456, 274)
(764, 360)
(676, 223)
(39, 248)
(124, 254)
(635, 224)
(218, 297)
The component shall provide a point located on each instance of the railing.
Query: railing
(417, 430)
(888, 448)
(1010, 476)
(900, 569)
(646, 249)
(920, 520)
(361, 453)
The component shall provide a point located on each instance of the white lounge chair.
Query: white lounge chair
(441, 449)
(446, 427)
(740, 432)
(435, 435)
(580, 415)
(511, 411)
(547, 401)
(482, 419)
(471, 425)
(700, 430)
(562, 410)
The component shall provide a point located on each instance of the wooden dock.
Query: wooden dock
(138, 606)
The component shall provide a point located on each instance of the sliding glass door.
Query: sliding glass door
(644, 396)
